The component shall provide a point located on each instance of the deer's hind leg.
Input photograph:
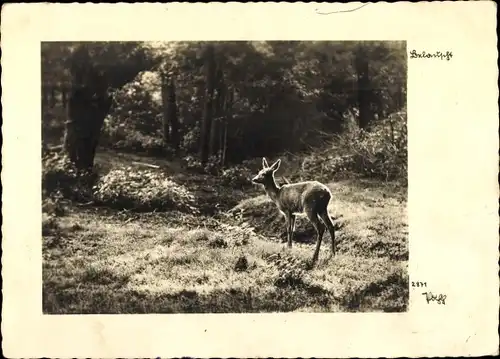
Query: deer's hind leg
(320, 229)
(325, 217)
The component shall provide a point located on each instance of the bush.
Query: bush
(381, 152)
(236, 176)
(137, 142)
(53, 204)
(142, 190)
(60, 175)
(191, 140)
(136, 121)
(193, 164)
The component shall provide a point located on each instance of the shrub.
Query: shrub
(138, 142)
(381, 152)
(191, 140)
(49, 224)
(53, 204)
(193, 164)
(60, 175)
(236, 176)
(142, 190)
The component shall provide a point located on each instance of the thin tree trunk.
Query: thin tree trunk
(64, 95)
(172, 115)
(53, 96)
(228, 105)
(221, 141)
(45, 95)
(208, 108)
(164, 100)
(364, 90)
(224, 148)
(218, 111)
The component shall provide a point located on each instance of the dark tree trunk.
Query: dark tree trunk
(218, 112)
(364, 91)
(45, 95)
(88, 105)
(172, 115)
(64, 95)
(86, 113)
(166, 118)
(208, 108)
(89, 102)
(53, 96)
(400, 98)
(228, 104)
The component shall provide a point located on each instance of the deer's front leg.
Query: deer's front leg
(291, 230)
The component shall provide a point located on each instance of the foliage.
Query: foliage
(142, 190)
(193, 164)
(380, 152)
(275, 95)
(134, 122)
(191, 140)
(60, 176)
(236, 176)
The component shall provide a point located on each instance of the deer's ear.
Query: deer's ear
(264, 163)
(276, 165)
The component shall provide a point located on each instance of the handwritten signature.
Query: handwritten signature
(431, 297)
(428, 55)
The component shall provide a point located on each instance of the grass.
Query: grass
(101, 260)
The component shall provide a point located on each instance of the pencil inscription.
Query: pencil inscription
(431, 297)
(414, 54)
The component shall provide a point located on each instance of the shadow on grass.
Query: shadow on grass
(389, 295)
(105, 300)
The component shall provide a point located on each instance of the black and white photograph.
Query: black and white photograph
(261, 180)
(224, 177)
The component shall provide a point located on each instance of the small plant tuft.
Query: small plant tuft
(241, 264)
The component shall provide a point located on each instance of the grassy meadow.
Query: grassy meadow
(218, 246)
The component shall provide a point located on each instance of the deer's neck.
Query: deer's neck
(272, 189)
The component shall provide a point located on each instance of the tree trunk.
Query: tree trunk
(86, 114)
(208, 108)
(45, 96)
(364, 90)
(172, 115)
(53, 96)
(88, 105)
(218, 112)
(64, 97)
(224, 148)
(164, 100)
(228, 104)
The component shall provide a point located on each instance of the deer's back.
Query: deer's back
(296, 197)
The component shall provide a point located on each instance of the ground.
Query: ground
(229, 256)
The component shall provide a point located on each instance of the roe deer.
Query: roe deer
(310, 198)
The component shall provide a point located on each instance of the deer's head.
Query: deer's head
(266, 174)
